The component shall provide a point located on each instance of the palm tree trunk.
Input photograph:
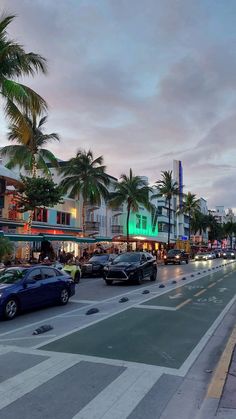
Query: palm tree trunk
(189, 226)
(29, 226)
(169, 226)
(127, 225)
(83, 220)
(34, 166)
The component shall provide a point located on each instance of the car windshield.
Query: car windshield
(127, 257)
(12, 276)
(173, 252)
(97, 258)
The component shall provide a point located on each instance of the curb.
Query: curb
(215, 389)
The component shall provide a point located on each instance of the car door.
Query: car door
(51, 283)
(33, 291)
(144, 265)
(150, 263)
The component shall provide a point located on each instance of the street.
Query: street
(144, 357)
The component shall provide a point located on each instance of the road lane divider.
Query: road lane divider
(199, 293)
(211, 285)
(183, 303)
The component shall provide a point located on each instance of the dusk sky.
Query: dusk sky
(141, 82)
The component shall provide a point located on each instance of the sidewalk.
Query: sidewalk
(220, 400)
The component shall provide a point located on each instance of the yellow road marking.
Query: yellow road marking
(199, 293)
(211, 285)
(183, 303)
(217, 383)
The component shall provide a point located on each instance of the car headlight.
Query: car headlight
(165, 257)
(224, 254)
(232, 254)
(1, 294)
(177, 256)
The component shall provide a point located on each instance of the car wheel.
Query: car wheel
(179, 263)
(11, 309)
(165, 263)
(153, 276)
(109, 281)
(77, 277)
(64, 296)
(186, 262)
(139, 278)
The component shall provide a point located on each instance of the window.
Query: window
(63, 218)
(48, 273)
(143, 259)
(40, 215)
(35, 274)
(144, 223)
(138, 221)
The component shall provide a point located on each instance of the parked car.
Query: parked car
(24, 288)
(176, 256)
(96, 264)
(229, 254)
(131, 266)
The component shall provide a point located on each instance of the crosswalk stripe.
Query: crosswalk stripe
(120, 398)
(23, 383)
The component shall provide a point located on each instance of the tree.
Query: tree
(132, 191)
(6, 248)
(15, 63)
(37, 192)
(215, 229)
(229, 230)
(29, 152)
(191, 207)
(167, 188)
(83, 175)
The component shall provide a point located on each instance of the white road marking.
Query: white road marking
(28, 337)
(23, 383)
(144, 306)
(173, 297)
(120, 398)
(85, 301)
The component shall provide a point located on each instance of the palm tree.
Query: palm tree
(229, 230)
(15, 63)
(6, 248)
(29, 152)
(191, 207)
(83, 175)
(132, 191)
(167, 188)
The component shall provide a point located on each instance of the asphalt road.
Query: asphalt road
(145, 357)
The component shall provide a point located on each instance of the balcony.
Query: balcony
(118, 209)
(92, 225)
(117, 229)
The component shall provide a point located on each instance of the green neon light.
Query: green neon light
(148, 231)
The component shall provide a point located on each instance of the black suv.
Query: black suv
(131, 266)
(176, 256)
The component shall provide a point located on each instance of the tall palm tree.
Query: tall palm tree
(29, 151)
(168, 188)
(15, 63)
(191, 207)
(229, 230)
(83, 175)
(132, 191)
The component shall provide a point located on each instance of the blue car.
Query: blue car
(24, 288)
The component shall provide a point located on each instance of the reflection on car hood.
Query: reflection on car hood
(2, 286)
(121, 265)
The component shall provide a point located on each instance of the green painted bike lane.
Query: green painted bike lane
(156, 336)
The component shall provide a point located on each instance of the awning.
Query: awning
(53, 237)
(23, 237)
(103, 239)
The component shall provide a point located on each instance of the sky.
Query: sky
(139, 82)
